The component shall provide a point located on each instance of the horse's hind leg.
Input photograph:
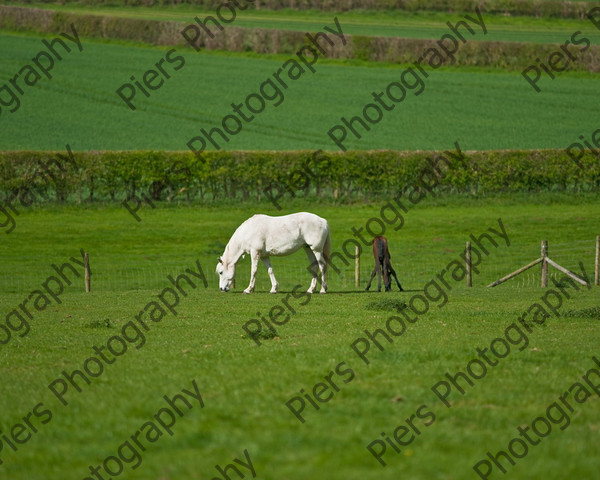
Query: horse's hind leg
(323, 267)
(371, 279)
(314, 268)
(274, 284)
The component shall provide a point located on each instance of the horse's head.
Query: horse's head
(226, 271)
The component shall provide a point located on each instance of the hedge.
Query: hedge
(505, 55)
(243, 175)
(536, 8)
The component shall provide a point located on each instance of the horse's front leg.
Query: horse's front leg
(274, 284)
(254, 256)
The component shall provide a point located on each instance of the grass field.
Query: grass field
(530, 387)
(484, 110)
(244, 387)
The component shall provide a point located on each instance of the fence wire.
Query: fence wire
(414, 269)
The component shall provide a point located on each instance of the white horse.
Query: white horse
(262, 236)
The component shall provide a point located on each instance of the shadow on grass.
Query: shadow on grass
(329, 292)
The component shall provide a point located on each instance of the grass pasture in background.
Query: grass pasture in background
(245, 387)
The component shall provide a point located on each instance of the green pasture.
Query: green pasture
(244, 387)
(395, 23)
(174, 235)
(483, 110)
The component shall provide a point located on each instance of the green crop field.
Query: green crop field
(156, 374)
(79, 105)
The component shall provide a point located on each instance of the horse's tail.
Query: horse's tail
(327, 247)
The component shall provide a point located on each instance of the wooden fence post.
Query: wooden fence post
(88, 272)
(357, 266)
(544, 247)
(468, 264)
(597, 262)
(545, 261)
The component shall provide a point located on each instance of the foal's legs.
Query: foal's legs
(376, 271)
(387, 280)
(371, 279)
(393, 274)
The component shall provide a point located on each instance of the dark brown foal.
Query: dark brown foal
(383, 265)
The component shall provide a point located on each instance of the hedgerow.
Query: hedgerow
(351, 175)
(504, 55)
(536, 8)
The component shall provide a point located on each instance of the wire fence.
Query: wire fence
(414, 272)
(414, 267)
